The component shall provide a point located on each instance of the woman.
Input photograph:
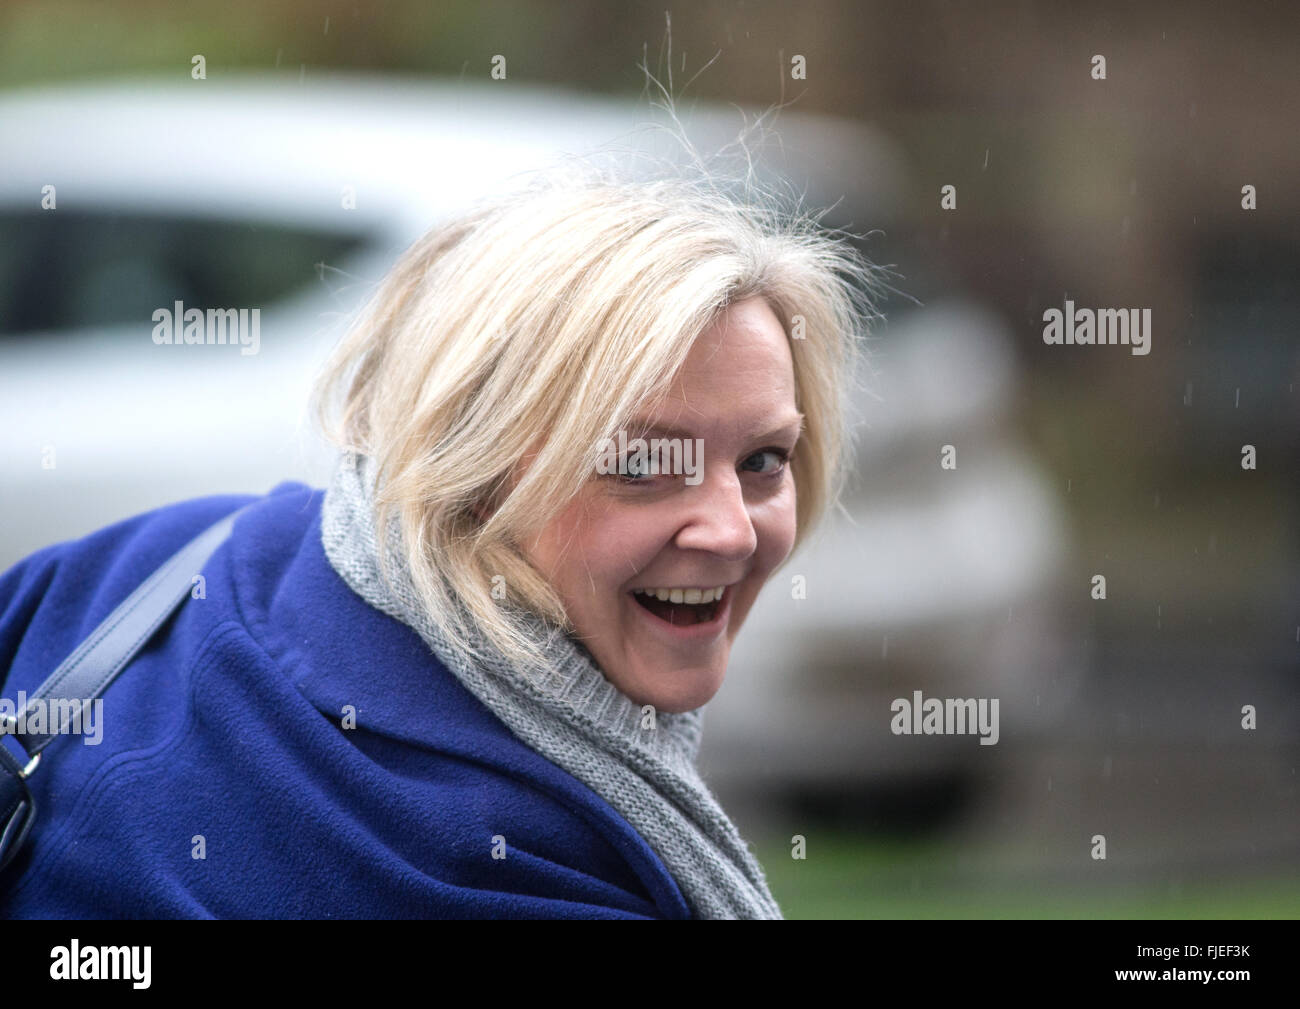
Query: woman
(591, 419)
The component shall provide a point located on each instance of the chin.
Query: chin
(676, 691)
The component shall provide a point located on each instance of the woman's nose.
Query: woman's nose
(718, 519)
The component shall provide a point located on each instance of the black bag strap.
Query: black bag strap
(88, 671)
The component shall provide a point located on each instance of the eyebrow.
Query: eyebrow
(644, 428)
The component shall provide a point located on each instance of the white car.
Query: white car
(124, 198)
(947, 580)
(258, 192)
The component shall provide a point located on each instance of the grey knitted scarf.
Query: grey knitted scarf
(575, 718)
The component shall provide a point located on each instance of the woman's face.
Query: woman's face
(727, 522)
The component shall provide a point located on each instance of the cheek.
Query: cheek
(775, 526)
(594, 547)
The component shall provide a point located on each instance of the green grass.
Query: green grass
(844, 876)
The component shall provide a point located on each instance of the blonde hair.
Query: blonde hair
(543, 320)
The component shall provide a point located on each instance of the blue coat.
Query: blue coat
(224, 738)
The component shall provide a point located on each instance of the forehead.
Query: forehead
(746, 334)
(740, 369)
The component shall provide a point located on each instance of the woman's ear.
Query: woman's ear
(490, 500)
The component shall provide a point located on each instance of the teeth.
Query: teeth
(692, 597)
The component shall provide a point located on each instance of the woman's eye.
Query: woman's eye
(635, 468)
(767, 462)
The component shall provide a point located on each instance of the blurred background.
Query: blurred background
(322, 138)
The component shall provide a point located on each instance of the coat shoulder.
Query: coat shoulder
(292, 727)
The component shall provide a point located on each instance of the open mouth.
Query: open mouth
(680, 614)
